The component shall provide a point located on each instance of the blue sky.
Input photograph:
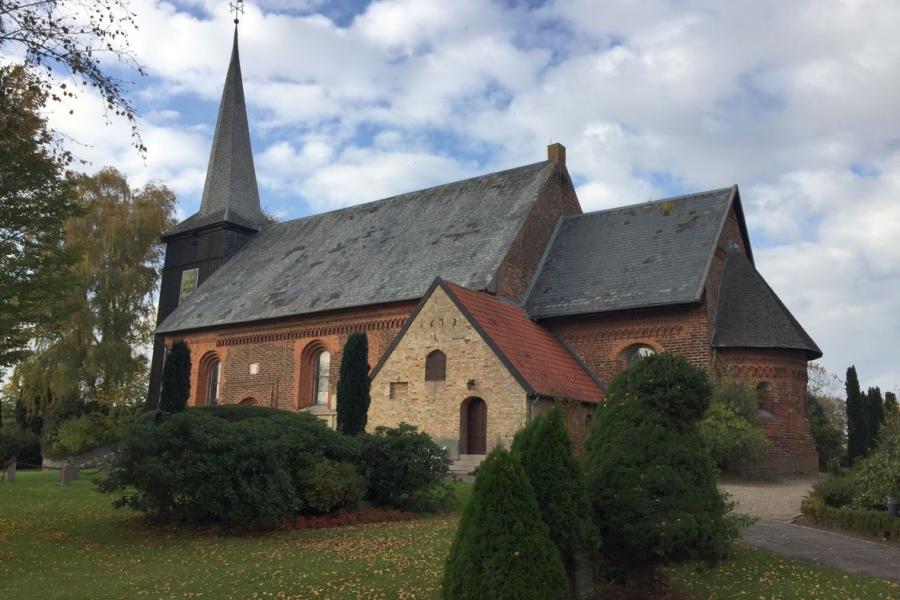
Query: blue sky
(796, 102)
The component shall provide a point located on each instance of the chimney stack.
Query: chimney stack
(557, 153)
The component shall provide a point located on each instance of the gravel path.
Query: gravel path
(777, 503)
(776, 500)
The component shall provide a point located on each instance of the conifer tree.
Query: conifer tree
(176, 378)
(353, 386)
(649, 475)
(857, 432)
(544, 450)
(890, 404)
(502, 548)
(874, 417)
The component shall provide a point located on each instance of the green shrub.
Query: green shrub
(83, 433)
(650, 477)
(868, 522)
(326, 486)
(735, 445)
(879, 474)
(544, 450)
(401, 466)
(836, 491)
(176, 378)
(61, 410)
(738, 395)
(830, 440)
(306, 434)
(502, 548)
(194, 468)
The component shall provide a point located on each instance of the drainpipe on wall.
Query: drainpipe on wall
(534, 400)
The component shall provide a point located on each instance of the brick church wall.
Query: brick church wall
(783, 414)
(278, 349)
(436, 406)
(556, 199)
(603, 340)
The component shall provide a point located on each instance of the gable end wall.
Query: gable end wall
(556, 199)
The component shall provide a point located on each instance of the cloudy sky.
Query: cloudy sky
(796, 102)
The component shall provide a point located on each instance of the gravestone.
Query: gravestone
(65, 475)
(10, 474)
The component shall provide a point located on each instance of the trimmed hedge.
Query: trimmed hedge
(868, 522)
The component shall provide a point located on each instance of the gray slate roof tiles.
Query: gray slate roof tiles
(650, 254)
(750, 314)
(230, 193)
(384, 251)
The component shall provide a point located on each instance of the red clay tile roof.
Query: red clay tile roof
(538, 356)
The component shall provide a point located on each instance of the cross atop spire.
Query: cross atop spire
(237, 7)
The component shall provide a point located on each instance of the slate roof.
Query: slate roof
(539, 361)
(651, 254)
(384, 251)
(750, 314)
(230, 193)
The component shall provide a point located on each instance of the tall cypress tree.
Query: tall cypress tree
(353, 386)
(857, 432)
(874, 417)
(176, 378)
(544, 450)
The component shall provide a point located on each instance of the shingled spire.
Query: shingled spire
(230, 193)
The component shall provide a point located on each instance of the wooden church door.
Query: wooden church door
(476, 426)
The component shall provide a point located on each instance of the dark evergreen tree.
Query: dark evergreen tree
(857, 432)
(890, 403)
(544, 450)
(874, 417)
(649, 475)
(353, 386)
(176, 378)
(502, 548)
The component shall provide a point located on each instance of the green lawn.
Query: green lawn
(70, 543)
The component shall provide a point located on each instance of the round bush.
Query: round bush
(326, 486)
(666, 384)
(650, 477)
(502, 548)
(402, 467)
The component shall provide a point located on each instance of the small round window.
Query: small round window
(639, 353)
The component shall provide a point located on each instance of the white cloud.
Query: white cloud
(650, 98)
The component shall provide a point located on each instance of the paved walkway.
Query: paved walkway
(825, 548)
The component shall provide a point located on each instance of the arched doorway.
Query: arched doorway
(473, 426)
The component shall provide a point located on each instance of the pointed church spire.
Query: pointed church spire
(230, 193)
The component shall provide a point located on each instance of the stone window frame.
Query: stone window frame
(436, 366)
(209, 363)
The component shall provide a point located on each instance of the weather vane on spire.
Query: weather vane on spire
(238, 7)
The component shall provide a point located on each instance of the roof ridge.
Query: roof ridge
(656, 201)
(361, 206)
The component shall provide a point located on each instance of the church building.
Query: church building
(484, 301)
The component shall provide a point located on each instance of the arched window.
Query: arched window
(588, 420)
(321, 377)
(636, 353)
(436, 366)
(763, 393)
(249, 401)
(212, 383)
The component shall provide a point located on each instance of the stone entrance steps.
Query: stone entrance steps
(465, 466)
